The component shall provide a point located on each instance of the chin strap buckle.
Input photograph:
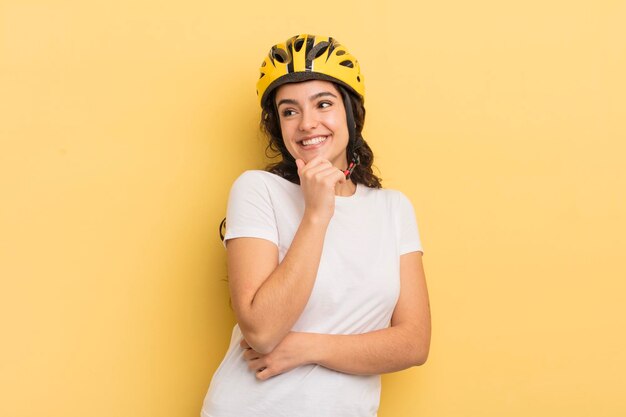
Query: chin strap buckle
(355, 161)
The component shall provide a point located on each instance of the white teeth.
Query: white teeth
(314, 141)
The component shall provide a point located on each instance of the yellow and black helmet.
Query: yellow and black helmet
(309, 57)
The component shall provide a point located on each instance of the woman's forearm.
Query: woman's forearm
(381, 351)
(279, 301)
(377, 352)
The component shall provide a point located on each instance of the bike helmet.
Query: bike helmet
(309, 57)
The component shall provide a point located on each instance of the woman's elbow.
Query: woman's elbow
(420, 349)
(420, 357)
(259, 343)
(263, 348)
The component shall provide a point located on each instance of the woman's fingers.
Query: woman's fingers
(256, 361)
(318, 171)
(318, 179)
(336, 176)
(300, 164)
(264, 374)
(316, 165)
(250, 354)
(260, 369)
(255, 365)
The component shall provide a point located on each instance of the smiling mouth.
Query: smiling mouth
(313, 141)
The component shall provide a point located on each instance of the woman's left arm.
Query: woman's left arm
(404, 344)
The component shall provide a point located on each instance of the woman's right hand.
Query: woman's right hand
(318, 179)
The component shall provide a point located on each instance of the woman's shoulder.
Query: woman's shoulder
(384, 193)
(261, 175)
(256, 179)
(253, 175)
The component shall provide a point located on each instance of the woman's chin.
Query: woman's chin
(309, 156)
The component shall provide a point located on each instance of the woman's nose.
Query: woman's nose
(308, 121)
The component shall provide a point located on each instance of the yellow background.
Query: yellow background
(123, 125)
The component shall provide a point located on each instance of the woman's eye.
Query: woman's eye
(288, 112)
(325, 104)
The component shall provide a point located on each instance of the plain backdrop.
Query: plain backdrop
(124, 123)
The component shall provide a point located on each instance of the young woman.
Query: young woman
(325, 266)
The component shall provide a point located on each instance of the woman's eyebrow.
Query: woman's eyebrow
(287, 101)
(312, 98)
(322, 94)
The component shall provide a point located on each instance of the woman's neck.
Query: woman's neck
(346, 189)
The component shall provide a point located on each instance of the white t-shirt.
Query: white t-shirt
(356, 290)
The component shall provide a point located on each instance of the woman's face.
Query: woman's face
(313, 121)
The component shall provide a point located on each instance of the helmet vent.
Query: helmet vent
(340, 52)
(347, 63)
(280, 55)
(298, 44)
(318, 50)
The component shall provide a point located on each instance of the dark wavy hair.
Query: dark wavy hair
(286, 167)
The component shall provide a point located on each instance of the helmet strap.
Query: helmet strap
(287, 157)
(353, 163)
(352, 140)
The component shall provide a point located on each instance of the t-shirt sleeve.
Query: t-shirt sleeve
(250, 212)
(408, 231)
